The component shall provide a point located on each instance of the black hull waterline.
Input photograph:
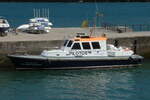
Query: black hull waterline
(39, 62)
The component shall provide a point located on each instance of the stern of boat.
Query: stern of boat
(137, 59)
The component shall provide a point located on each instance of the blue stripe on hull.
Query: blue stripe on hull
(71, 64)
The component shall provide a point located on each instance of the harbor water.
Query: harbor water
(72, 14)
(108, 84)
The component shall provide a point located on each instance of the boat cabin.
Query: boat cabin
(83, 44)
(87, 46)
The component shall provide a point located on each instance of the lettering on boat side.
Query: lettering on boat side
(79, 53)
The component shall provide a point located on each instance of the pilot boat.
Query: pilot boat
(83, 51)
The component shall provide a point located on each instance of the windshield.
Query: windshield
(70, 43)
(65, 43)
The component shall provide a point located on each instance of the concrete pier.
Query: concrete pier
(63, 33)
(35, 43)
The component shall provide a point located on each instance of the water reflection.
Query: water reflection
(113, 84)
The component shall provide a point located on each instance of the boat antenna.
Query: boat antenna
(48, 13)
(33, 12)
(96, 13)
(43, 12)
(91, 32)
(95, 20)
(39, 13)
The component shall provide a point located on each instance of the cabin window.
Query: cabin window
(86, 45)
(95, 45)
(65, 43)
(76, 46)
(4, 21)
(70, 43)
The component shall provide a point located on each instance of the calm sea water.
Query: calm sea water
(72, 14)
(110, 84)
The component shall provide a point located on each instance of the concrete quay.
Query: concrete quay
(64, 33)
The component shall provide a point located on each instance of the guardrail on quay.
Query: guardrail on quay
(127, 27)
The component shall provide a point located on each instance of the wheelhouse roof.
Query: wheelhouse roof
(90, 39)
